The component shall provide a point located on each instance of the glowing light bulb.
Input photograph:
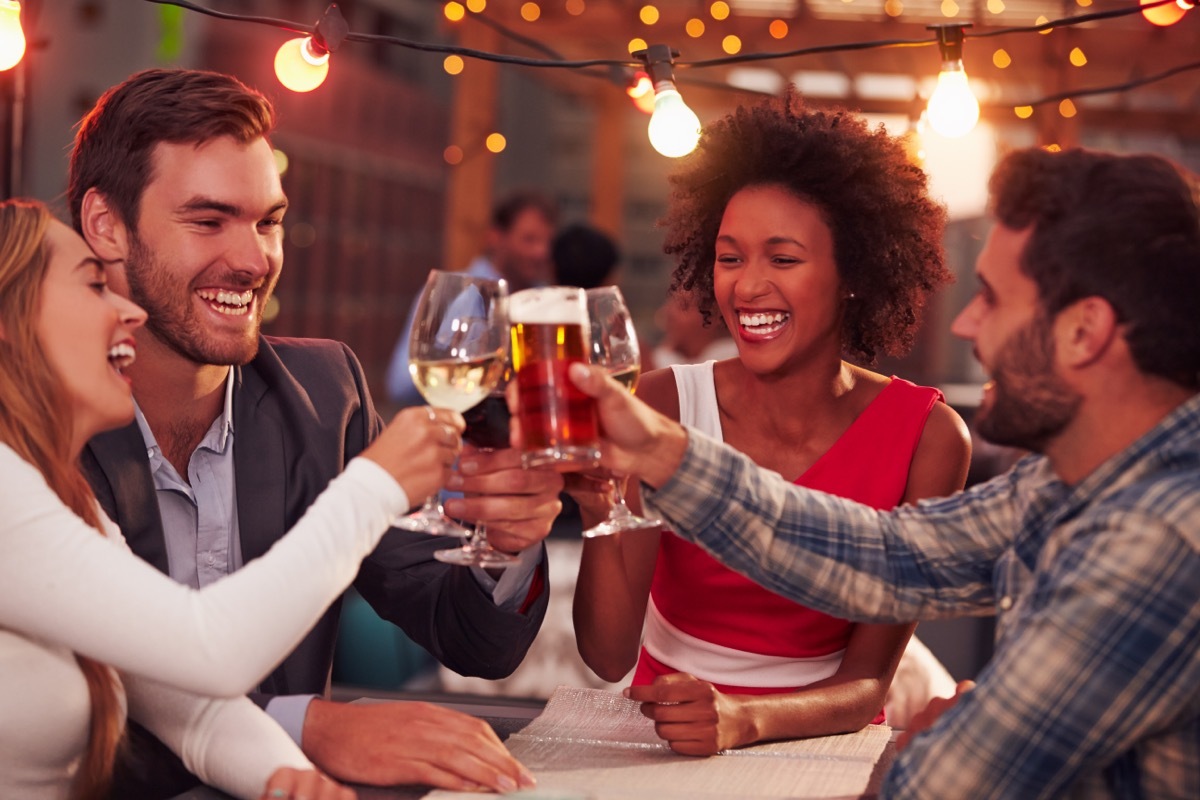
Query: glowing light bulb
(953, 109)
(12, 38)
(642, 93)
(674, 128)
(299, 66)
(1168, 14)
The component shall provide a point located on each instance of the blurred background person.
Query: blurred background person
(518, 250)
(584, 256)
(687, 337)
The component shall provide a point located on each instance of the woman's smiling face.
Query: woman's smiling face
(86, 333)
(775, 279)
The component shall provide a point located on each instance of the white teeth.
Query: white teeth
(121, 355)
(231, 303)
(769, 322)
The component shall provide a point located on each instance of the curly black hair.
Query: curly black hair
(887, 231)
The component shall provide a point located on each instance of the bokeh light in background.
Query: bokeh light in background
(496, 142)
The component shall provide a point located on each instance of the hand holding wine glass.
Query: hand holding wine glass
(487, 429)
(456, 358)
(614, 346)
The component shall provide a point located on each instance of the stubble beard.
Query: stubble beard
(172, 317)
(1030, 404)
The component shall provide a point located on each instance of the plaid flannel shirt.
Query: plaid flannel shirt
(1094, 688)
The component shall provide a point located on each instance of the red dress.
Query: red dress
(707, 620)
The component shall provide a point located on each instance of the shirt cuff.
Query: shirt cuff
(510, 591)
(379, 482)
(289, 711)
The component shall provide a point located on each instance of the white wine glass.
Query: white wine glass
(456, 357)
(615, 347)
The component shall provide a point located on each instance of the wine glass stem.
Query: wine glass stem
(619, 508)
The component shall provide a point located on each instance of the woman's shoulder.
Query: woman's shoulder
(657, 389)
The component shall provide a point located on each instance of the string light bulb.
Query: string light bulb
(12, 37)
(674, 128)
(953, 109)
(1165, 14)
(302, 64)
(641, 91)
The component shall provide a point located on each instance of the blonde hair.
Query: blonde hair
(35, 421)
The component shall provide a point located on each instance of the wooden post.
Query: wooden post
(608, 167)
(472, 118)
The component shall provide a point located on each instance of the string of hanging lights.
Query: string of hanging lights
(302, 63)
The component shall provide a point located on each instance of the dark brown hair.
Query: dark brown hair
(35, 421)
(116, 139)
(887, 231)
(1122, 227)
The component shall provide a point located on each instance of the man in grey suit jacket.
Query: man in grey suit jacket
(174, 186)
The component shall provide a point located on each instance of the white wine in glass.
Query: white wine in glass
(456, 357)
(615, 347)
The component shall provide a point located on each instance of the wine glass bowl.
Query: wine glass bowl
(614, 346)
(456, 357)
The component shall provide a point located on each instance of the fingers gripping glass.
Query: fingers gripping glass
(487, 429)
(615, 347)
(456, 358)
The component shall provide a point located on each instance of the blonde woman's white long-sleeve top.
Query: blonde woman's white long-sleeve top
(66, 589)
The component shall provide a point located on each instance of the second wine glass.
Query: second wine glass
(456, 358)
(615, 347)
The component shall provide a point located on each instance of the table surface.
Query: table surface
(506, 716)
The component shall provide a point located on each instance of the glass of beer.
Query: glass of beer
(550, 332)
(456, 358)
(614, 346)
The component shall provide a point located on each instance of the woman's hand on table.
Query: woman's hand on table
(926, 717)
(693, 716)
(287, 783)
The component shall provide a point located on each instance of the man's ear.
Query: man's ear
(1087, 331)
(102, 227)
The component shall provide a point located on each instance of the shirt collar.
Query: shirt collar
(223, 424)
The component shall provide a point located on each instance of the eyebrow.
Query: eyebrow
(90, 263)
(228, 209)
(773, 240)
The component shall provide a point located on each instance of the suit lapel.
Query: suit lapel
(120, 457)
(259, 470)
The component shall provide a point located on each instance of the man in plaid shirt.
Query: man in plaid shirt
(1088, 552)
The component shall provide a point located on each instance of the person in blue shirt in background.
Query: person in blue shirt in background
(518, 250)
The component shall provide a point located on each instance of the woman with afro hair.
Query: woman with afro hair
(812, 238)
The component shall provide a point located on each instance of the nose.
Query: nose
(753, 280)
(966, 324)
(253, 253)
(132, 315)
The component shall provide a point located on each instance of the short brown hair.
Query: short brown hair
(1122, 227)
(887, 231)
(116, 138)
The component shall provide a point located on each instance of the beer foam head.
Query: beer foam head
(549, 305)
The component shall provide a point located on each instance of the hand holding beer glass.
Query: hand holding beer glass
(614, 346)
(456, 357)
(550, 331)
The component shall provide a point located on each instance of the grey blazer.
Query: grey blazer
(301, 411)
